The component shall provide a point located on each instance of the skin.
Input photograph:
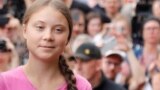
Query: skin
(78, 26)
(46, 38)
(112, 7)
(89, 69)
(94, 26)
(155, 81)
(111, 66)
(151, 32)
(10, 30)
(155, 9)
(122, 25)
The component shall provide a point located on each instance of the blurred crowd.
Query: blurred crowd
(114, 43)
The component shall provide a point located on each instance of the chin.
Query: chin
(47, 56)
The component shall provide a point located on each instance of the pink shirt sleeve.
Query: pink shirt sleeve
(82, 83)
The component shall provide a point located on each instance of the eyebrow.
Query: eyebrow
(40, 21)
(55, 24)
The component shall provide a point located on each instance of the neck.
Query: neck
(150, 47)
(44, 76)
(39, 69)
(95, 81)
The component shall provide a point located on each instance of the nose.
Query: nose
(48, 35)
(76, 28)
(112, 66)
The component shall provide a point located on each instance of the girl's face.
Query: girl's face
(151, 32)
(46, 34)
(94, 26)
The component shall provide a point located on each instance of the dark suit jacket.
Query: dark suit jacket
(107, 84)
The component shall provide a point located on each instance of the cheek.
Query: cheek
(62, 40)
(145, 34)
(104, 64)
(31, 35)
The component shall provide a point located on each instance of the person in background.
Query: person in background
(88, 65)
(111, 63)
(112, 8)
(10, 27)
(121, 30)
(128, 8)
(155, 81)
(8, 56)
(114, 34)
(75, 4)
(78, 18)
(80, 39)
(148, 53)
(46, 39)
(93, 24)
(72, 47)
(155, 8)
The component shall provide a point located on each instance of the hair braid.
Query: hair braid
(68, 74)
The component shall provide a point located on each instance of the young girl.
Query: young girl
(47, 30)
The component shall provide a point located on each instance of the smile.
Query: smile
(47, 46)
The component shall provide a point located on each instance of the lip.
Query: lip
(47, 46)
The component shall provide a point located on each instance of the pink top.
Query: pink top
(16, 80)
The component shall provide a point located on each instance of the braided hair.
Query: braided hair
(63, 9)
(68, 74)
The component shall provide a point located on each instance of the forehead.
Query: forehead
(113, 58)
(50, 15)
(151, 22)
(112, 0)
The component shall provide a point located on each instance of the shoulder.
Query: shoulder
(12, 78)
(82, 83)
(6, 78)
(2, 84)
(14, 73)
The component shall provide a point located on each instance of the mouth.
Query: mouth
(47, 47)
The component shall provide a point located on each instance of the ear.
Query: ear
(24, 30)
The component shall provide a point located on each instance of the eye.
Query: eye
(58, 30)
(40, 27)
